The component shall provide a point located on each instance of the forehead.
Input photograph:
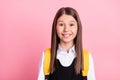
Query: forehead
(66, 17)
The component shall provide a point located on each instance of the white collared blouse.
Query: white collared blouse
(66, 59)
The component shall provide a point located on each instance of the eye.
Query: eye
(60, 24)
(71, 24)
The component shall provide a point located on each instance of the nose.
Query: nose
(66, 28)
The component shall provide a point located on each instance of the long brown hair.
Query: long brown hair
(77, 41)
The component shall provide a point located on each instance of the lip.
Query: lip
(66, 35)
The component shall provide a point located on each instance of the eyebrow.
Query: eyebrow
(60, 21)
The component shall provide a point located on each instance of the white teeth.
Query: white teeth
(66, 35)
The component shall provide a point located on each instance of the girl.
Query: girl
(66, 62)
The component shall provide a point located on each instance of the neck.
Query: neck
(66, 46)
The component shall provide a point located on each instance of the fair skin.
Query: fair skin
(66, 31)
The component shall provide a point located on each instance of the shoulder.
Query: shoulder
(90, 57)
(87, 56)
(91, 72)
(47, 50)
(87, 53)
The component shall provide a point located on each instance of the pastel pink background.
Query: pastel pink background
(25, 31)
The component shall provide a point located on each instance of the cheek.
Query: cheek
(57, 30)
(74, 30)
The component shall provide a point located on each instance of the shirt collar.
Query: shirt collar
(71, 49)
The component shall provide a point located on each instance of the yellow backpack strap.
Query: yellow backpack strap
(46, 62)
(86, 63)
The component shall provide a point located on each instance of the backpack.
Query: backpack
(46, 63)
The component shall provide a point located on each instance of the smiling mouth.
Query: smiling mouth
(66, 35)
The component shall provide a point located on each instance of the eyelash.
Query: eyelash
(61, 24)
(71, 24)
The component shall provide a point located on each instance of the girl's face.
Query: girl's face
(66, 28)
